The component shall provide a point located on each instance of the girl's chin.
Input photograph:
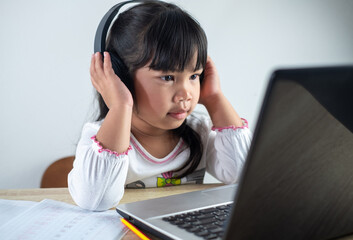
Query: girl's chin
(175, 124)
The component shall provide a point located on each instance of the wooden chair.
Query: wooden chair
(55, 176)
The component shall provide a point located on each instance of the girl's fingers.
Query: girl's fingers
(98, 64)
(101, 71)
(92, 67)
(93, 73)
(107, 65)
(107, 62)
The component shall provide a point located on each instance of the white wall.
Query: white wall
(45, 50)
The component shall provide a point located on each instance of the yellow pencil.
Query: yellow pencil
(134, 229)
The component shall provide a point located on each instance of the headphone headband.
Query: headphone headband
(102, 30)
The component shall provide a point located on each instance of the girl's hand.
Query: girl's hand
(210, 87)
(211, 96)
(107, 83)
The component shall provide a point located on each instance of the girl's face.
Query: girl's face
(165, 99)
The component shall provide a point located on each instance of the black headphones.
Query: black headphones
(118, 65)
(102, 30)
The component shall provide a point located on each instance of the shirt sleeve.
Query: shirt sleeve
(225, 149)
(226, 153)
(98, 177)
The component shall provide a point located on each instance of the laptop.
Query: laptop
(297, 181)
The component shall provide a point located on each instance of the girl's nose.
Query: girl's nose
(183, 93)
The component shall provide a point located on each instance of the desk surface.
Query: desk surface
(131, 195)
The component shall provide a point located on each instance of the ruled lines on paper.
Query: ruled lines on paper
(51, 219)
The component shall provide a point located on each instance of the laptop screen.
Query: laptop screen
(298, 179)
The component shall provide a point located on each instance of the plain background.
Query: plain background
(46, 95)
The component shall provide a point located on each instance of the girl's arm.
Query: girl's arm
(114, 133)
(226, 149)
(211, 96)
(97, 179)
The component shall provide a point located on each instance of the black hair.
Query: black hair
(167, 37)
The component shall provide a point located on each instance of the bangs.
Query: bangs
(172, 41)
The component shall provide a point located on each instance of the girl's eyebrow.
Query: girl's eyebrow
(161, 72)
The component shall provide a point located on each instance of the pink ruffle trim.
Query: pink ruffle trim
(245, 125)
(101, 149)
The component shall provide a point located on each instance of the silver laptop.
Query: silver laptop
(297, 182)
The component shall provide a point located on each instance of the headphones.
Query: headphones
(118, 65)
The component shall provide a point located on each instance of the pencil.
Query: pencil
(134, 229)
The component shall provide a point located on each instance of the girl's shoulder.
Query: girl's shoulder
(94, 124)
(91, 126)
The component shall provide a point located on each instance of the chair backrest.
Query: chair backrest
(55, 176)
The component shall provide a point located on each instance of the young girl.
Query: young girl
(147, 134)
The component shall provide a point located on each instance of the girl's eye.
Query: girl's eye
(167, 78)
(193, 77)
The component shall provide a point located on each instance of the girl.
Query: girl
(147, 134)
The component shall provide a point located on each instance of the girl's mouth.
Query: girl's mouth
(178, 115)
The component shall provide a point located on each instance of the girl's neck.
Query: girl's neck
(159, 143)
(143, 133)
(143, 129)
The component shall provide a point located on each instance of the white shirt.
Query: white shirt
(98, 178)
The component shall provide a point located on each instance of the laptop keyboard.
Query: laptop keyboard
(207, 223)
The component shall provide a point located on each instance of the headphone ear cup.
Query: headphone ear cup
(122, 71)
(202, 76)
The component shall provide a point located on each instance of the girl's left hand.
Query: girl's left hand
(210, 86)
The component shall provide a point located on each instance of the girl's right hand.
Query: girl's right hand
(114, 92)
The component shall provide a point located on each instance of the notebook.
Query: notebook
(297, 181)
